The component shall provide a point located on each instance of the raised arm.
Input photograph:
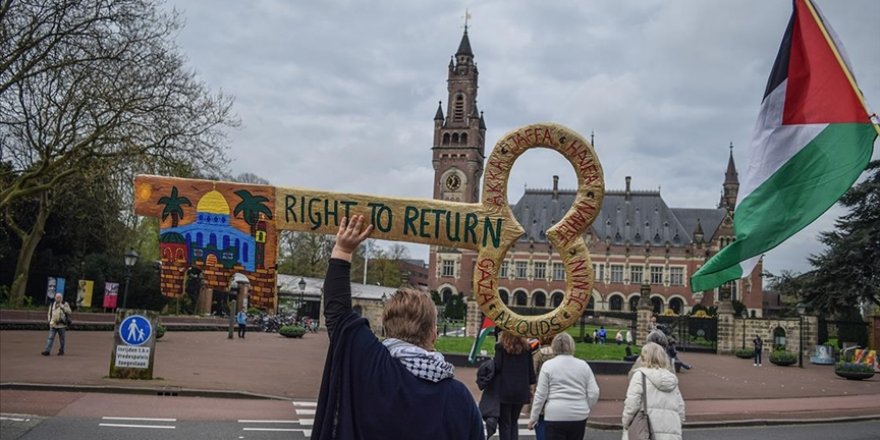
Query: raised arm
(337, 283)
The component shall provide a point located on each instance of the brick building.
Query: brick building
(636, 237)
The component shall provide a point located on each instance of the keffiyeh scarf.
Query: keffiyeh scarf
(428, 365)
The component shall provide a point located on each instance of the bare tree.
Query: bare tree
(97, 86)
(250, 178)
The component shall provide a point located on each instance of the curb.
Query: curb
(602, 426)
(157, 391)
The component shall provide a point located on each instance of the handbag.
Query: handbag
(640, 426)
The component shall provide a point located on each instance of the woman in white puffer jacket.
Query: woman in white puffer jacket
(665, 404)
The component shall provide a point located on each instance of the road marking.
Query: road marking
(306, 432)
(311, 404)
(305, 412)
(268, 421)
(121, 425)
(14, 419)
(139, 419)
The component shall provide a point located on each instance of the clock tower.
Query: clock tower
(458, 154)
(459, 136)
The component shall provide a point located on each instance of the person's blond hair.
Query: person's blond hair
(563, 343)
(654, 356)
(410, 316)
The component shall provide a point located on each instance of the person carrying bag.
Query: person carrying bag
(640, 426)
(654, 408)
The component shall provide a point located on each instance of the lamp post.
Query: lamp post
(302, 292)
(131, 258)
(801, 308)
(745, 314)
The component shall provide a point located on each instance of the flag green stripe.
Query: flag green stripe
(795, 195)
(472, 356)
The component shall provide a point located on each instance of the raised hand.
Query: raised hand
(349, 236)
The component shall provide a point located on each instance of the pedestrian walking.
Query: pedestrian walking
(539, 357)
(655, 388)
(241, 318)
(619, 337)
(659, 338)
(59, 317)
(566, 393)
(515, 373)
(629, 337)
(759, 347)
(397, 389)
(672, 352)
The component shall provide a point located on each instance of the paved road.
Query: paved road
(171, 429)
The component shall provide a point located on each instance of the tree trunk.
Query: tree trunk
(29, 242)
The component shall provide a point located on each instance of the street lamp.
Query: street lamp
(131, 258)
(801, 309)
(745, 315)
(302, 292)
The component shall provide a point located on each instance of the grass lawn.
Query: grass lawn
(587, 352)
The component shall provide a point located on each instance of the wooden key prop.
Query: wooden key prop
(243, 239)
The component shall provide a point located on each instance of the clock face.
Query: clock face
(453, 182)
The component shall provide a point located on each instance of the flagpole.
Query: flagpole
(843, 66)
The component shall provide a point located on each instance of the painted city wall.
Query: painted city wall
(221, 228)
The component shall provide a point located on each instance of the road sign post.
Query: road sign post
(134, 344)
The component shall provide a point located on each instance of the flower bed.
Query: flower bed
(783, 358)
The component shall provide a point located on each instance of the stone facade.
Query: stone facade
(635, 238)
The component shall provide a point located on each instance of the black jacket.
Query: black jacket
(514, 373)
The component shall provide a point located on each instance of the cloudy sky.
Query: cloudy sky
(341, 95)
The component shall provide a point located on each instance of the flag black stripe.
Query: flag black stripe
(780, 67)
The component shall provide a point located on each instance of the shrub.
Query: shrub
(292, 331)
(160, 331)
(745, 353)
(851, 367)
(783, 357)
(588, 339)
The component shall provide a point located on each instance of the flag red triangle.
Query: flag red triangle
(818, 90)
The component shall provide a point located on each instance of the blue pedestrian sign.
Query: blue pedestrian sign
(135, 330)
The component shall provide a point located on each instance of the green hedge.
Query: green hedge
(745, 353)
(292, 331)
(783, 357)
(160, 331)
(853, 367)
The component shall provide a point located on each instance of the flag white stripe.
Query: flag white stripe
(773, 144)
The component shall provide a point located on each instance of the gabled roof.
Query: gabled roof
(642, 217)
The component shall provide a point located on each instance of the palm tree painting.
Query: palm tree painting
(251, 207)
(173, 206)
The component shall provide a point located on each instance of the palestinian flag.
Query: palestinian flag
(485, 329)
(813, 138)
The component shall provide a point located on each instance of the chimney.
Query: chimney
(555, 187)
(627, 193)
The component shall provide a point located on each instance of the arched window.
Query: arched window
(179, 255)
(188, 238)
(454, 138)
(199, 239)
(225, 242)
(505, 297)
(166, 254)
(634, 303)
(615, 303)
(446, 139)
(592, 304)
(212, 240)
(464, 138)
(676, 305)
(445, 295)
(244, 252)
(778, 338)
(658, 305)
(458, 108)
(556, 299)
(520, 298)
(539, 299)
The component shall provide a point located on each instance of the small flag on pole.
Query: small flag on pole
(485, 329)
(813, 138)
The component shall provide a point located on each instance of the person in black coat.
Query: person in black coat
(399, 388)
(515, 375)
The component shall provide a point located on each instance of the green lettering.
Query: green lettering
(494, 233)
(470, 227)
(410, 214)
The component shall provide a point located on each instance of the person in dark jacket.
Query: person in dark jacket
(397, 389)
(490, 407)
(515, 374)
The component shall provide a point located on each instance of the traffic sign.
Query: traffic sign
(135, 330)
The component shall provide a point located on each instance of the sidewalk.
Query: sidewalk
(719, 390)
